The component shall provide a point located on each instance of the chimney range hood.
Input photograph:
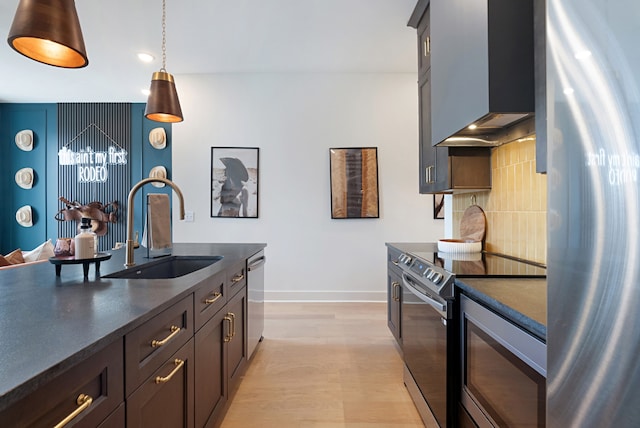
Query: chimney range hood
(482, 72)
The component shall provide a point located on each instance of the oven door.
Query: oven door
(425, 330)
(503, 370)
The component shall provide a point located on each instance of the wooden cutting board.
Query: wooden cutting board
(473, 224)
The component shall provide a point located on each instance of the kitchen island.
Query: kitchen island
(51, 324)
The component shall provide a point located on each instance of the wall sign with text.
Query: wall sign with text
(92, 166)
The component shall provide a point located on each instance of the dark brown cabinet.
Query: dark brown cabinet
(210, 371)
(159, 363)
(237, 342)
(178, 368)
(394, 295)
(237, 311)
(394, 300)
(151, 345)
(166, 398)
(116, 419)
(220, 345)
(84, 395)
(236, 278)
(209, 297)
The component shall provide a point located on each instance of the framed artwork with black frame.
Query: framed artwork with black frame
(438, 206)
(354, 182)
(234, 182)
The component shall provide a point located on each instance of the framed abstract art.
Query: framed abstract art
(354, 182)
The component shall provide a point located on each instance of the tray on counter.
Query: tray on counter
(58, 261)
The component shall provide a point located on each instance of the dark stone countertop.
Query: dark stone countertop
(521, 300)
(49, 323)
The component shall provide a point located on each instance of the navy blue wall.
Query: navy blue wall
(41, 119)
(43, 197)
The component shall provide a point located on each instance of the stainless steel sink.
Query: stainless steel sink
(167, 267)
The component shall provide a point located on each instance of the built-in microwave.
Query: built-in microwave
(503, 377)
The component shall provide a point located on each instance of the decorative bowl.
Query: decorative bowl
(459, 246)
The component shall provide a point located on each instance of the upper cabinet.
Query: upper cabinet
(482, 71)
(424, 43)
(442, 169)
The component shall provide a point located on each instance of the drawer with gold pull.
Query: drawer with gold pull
(209, 298)
(148, 346)
(84, 395)
(165, 398)
(236, 278)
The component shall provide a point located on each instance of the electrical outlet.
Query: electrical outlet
(188, 216)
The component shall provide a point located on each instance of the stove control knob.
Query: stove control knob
(405, 259)
(429, 273)
(437, 277)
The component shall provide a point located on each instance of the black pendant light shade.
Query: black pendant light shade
(48, 31)
(163, 104)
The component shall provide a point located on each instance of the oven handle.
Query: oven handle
(406, 281)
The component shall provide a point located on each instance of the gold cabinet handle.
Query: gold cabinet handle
(394, 294)
(233, 323)
(216, 296)
(237, 278)
(157, 343)
(179, 363)
(227, 337)
(83, 401)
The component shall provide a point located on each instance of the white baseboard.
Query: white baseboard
(325, 296)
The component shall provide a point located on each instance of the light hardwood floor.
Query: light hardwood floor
(324, 365)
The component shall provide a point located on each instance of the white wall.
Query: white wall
(294, 118)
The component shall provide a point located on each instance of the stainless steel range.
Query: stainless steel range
(431, 279)
(429, 326)
(427, 322)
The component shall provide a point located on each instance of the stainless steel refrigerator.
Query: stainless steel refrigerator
(593, 127)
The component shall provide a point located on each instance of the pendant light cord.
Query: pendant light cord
(164, 36)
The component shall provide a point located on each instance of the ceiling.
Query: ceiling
(212, 36)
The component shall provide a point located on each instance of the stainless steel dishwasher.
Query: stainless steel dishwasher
(255, 300)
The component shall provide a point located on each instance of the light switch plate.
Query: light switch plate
(188, 216)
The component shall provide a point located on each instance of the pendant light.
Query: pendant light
(163, 104)
(48, 31)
